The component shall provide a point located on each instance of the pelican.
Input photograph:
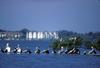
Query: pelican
(27, 51)
(84, 52)
(37, 51)
(61, 50)
(18, 49)
(46, 51)
(67, 50)
(74, 51)
(92, 51)
(54, 51)
(8, 48)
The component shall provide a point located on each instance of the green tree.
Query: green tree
(67, 43)
(56, 44)
(97, 44)
(88, 44)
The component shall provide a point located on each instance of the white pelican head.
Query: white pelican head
(7, 45)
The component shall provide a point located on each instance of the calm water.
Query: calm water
(44, 61)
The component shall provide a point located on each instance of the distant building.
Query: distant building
(28, 35)
(10, 35)
(41, 35)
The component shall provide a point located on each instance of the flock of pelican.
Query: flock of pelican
(18, 50)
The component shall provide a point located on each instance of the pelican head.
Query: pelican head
(37, 48)
(7, 45)
(62, 47)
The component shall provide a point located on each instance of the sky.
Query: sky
(50, 15)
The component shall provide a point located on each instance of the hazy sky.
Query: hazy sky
(50, 15)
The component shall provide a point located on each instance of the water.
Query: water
(42, 44)
(44, 61)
